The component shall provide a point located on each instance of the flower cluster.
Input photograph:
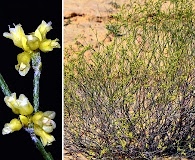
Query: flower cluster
(42, 122)
(34, 42)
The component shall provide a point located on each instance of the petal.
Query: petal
(24, 120)
(48, 129)
(37, 118)
(25, 47)
(49, 114)
(42, 30)
(22, 68)
(24, 57)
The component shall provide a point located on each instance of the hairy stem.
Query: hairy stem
(36, 64)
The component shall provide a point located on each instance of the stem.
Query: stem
(46, 155)
(36, 64)
(4, 86)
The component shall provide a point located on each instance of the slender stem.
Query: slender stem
(4, 86)
(36, 64)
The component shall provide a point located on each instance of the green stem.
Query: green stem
(46, 155)
(36, 64)
(4, 86)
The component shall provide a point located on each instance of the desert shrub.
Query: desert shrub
(135, 98)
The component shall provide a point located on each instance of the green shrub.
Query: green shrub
(135, 99)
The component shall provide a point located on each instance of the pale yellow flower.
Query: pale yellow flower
(19, 106)
(32, 43)
(23, 65)
(46, 138)
(45, 45)
(35, 40)
(14, 125)
(18, 36)
(44, 120)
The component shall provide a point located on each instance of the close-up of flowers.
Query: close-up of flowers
(39, 124)
(31, 43)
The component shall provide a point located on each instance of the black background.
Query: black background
(18, 145)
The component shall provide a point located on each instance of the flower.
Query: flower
(23, 65)
(18, 36)
(31, 43)
(19, 106)
(44, 120)
(46, 138)
(14, 125)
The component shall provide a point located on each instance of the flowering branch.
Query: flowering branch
(35, 122)
(29, 129)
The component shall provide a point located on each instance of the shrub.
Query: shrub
(135, 98)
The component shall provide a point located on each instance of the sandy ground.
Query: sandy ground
(87, 18)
